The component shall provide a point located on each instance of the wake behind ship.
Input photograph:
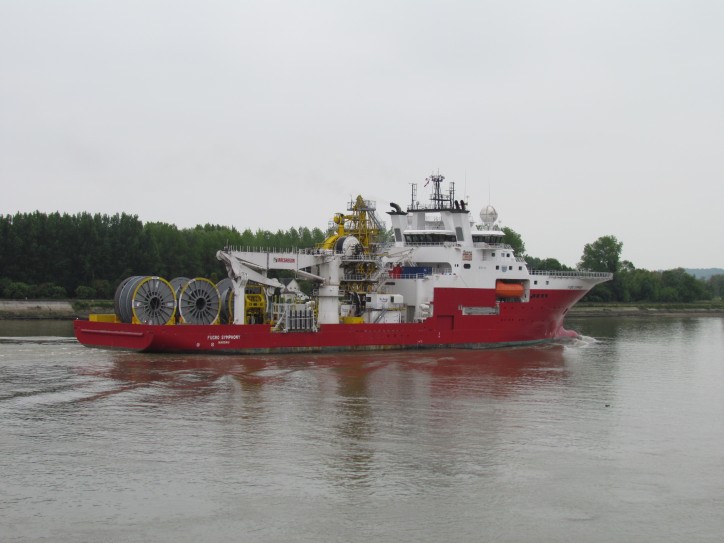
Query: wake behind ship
(442, 281)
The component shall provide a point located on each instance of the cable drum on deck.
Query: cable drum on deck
(226, 300)
(198, 302)
(120, 310)
(145, 299)
(178, 283)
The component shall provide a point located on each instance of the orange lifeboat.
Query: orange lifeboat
(509, 290)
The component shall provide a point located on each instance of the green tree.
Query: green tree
(17, 290)
(682, 286)
(716, 286)
(514, 239)
(602, 255)
(550, 264)
(641, 285)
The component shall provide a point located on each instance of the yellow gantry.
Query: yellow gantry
(359, 223)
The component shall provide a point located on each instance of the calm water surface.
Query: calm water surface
(618, 436)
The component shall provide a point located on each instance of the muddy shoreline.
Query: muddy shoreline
(644, 312)
(49, 309)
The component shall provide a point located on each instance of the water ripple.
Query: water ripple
(505, 444)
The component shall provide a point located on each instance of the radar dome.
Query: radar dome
(488, 215)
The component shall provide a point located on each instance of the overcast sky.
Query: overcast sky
(577, 119)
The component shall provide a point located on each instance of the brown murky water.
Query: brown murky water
(614, 437)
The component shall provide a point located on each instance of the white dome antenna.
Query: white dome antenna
(488, 216)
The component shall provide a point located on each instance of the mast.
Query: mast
(439, 201)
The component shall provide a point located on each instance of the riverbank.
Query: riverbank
(714, 309)
(52, 309)
(80, 309)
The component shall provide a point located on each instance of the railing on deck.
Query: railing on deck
(286, 250)
(573, 273)
(296, 251)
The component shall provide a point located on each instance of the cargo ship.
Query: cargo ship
(438, 278)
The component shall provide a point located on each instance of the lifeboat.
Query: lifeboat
(509, 290)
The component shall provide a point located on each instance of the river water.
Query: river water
(618, 436)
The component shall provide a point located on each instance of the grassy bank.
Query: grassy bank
(714, 308)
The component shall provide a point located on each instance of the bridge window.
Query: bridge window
(430, 238)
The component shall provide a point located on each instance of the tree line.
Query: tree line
(87, 255)
(629, 284)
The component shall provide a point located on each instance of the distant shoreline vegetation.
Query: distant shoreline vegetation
(71, 309)
(629, 283)
(85, 256)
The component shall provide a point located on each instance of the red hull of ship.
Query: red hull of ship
(539, 320)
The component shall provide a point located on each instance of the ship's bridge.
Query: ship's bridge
(429, 237)
(489, 237)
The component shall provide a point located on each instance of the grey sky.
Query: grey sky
(580, 119)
